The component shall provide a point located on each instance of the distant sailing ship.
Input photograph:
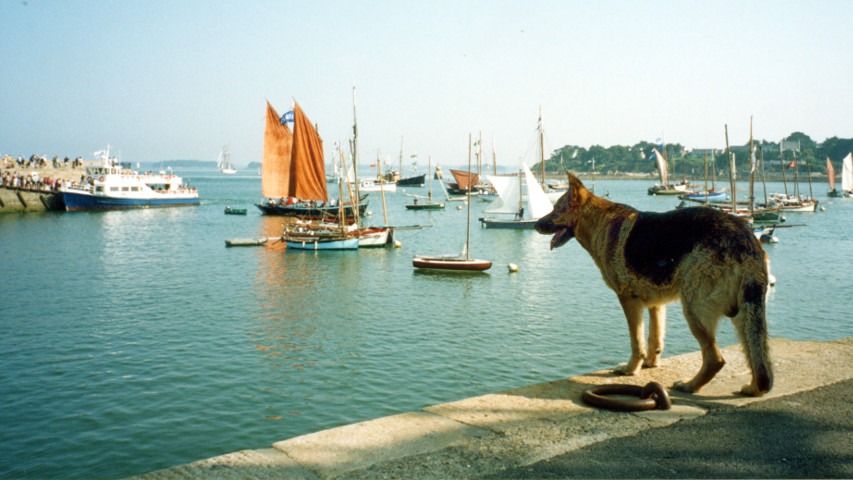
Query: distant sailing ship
(223, 162)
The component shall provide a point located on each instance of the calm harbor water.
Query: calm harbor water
(133, 341)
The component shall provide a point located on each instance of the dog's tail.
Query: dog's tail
(754, 329)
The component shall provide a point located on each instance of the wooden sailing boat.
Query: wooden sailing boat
(293, 171)
(413, 181)
(664, 187)
(223, 162)
(510, 201)
(795, 202)
(830, 177)
(455, 263)
(429, 204)
(847, 176)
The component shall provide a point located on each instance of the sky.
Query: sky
(162, 80)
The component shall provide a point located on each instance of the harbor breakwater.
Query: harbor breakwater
(23, 200)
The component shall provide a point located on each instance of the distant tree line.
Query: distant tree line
(639, 158)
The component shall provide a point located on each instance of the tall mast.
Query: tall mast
(751, 171)
(494, 158)
(782, 163)
(355, 153)
(468, 194)
(541, 147)
(429, 167)
(732, 174)
(401, 157)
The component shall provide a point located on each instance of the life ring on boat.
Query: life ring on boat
(652, 396)
(89, 179)
(101, 179)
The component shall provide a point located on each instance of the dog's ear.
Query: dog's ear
(577, 191)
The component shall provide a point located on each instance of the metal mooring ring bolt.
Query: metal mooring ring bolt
(650, 397)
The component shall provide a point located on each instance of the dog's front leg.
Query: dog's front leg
(657, 330)
(633, 309)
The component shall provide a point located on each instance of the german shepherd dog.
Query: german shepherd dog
(709, 259)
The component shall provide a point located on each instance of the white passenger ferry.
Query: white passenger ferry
(110, 187)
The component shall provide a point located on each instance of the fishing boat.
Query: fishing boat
(428, 204)
(223, 162)
(664, 187)
(412, 181)
(377, 185)
(830, 177)
(794, 202)
(847, 176)
(455, 263)
(309, 236)
(108, 186)
(293, 173)
(235, 211)
(510, 201)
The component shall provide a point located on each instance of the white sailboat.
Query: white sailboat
(847, 176)
(511, 201)
(223, 162)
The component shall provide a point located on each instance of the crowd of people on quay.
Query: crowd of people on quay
(31, 180)
(36, 161)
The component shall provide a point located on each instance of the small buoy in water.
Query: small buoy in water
(512, 267)
(782, 218)
(771, 279)
(458, 207)
(822, 209)
(369, 213)
(397, 244)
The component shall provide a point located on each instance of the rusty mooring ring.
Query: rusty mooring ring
(652, 396)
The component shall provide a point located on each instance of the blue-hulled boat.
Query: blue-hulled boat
(110, 187)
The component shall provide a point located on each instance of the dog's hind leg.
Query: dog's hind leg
(712, 358)
(657, 330)
(633, 309)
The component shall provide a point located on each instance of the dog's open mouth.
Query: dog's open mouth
(561, 236)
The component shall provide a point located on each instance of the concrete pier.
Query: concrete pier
(21, 200)
(24, 200)
(802, 428)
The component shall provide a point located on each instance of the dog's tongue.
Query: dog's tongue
(560, 238)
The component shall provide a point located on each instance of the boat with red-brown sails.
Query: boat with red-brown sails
(293, 176)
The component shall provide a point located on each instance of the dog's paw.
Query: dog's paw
(651, 363)
(624, 370)
(751, 391)
(683, 386)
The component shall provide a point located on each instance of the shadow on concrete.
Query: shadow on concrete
(806, 435)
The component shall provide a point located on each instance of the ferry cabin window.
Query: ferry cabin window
(125, 189)
(134, 189)
(99, 188)
(113, 189)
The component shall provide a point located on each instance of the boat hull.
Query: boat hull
(451, 264)
(307, 242)
(304, 211)
(417, 180)
(497, 223)
(375, 237)
(425, 206)
(86, 201)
